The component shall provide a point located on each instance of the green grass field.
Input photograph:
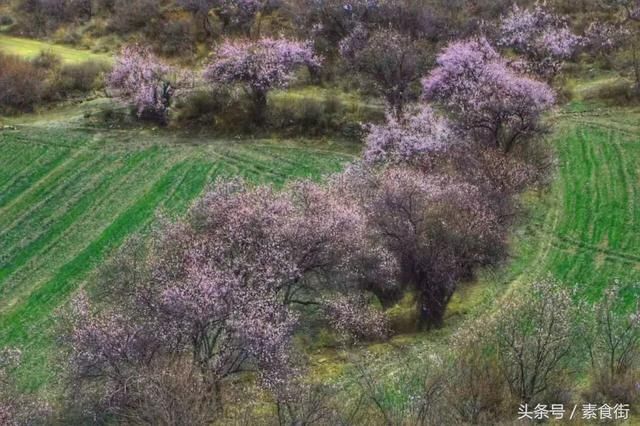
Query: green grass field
(69, 197)
(586, 231)
(28, 48)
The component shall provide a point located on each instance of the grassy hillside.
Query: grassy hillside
(586, 232)
(70, 194)
(28, 48)
(69, 197)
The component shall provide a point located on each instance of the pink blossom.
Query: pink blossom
(542, 37)
(261, 65)
(408, 138)
(355, 318)
(141, 78)
(485, 96)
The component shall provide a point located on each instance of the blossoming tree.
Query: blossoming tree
(390, 59)
(259, 66)
(487, 98)
(220, 289)
(142, 80)
(406, 139)
(543, 38)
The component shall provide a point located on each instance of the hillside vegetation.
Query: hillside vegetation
(297, 212)
(29, 49)
(70, 196)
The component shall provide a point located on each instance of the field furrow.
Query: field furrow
(595, 198)
(68, 201)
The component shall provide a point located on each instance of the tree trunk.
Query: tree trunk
(432, 304)
(206, 25)
(636, 66)
(259, 107)
(387, 297)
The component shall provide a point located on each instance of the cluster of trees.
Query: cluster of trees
(143, 80)
(226, 289)
(541, 37)
(384, 45)
(394, 62)
(223, 291)
(330, 19)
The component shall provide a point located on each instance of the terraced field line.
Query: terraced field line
(594, 237)
(17, 160)
(87, 227)
(43, 300)
(62, 223)
(23, 180)
(62, 215)
(55, 178)
(192, 185)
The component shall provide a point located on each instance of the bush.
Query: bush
(612, 340)
(67, 35)
(317, 115)
(200, 106)
(475, 390)
(21, 85)
(533, 367)
(63, 81)
(24, 84)
(132, 15)
(308, 114)
(623, 388)
(5, 20)
(617, 92)
(303, 112)
(47, 60)
(83, 77)
(172, 37)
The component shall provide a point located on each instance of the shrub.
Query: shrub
(612, 341)
(21, 85)
(618, 92)
(172, 37)
(132, 15)
(6, 20)
(307, 115)
(410, 395)
(318, 114)
(201, 106)
(47, 60)
(77, 78)
(475, 390)
(84, 77)
(534, 336)
(67, 35)
(624, 387)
